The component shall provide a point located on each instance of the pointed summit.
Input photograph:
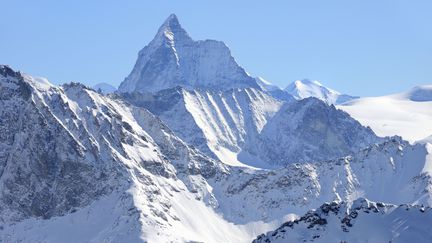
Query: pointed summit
(171, 21)
(172, 30)
(174, 59)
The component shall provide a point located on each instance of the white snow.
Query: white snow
(106, 220)
(228, 118)
(39, 82)
(267, 85)
(394, 114)
(305, 88)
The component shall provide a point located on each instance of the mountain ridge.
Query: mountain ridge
(153, 180)
(362, 220)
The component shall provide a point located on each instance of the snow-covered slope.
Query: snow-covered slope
(219, 123)
(310, 130)
(173, 59)
(408, 114)
(249, 127)
(266, 85)
(104, 88)
(71, 158)
(360, 221)
(305, 88)
(116, 173)
(393, 171)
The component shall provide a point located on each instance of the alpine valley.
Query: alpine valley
(191, 148)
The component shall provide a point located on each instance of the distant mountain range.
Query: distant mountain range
(191, 148)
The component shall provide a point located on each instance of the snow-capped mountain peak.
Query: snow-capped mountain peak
(305, 88)
(173, 59)
(171, 30)
(171, 22)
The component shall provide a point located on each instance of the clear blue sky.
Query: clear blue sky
(368, 47)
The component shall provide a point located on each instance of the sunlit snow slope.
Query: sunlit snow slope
(305, 88)
(408, 114)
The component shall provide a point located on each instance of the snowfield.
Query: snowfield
(407, 114)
